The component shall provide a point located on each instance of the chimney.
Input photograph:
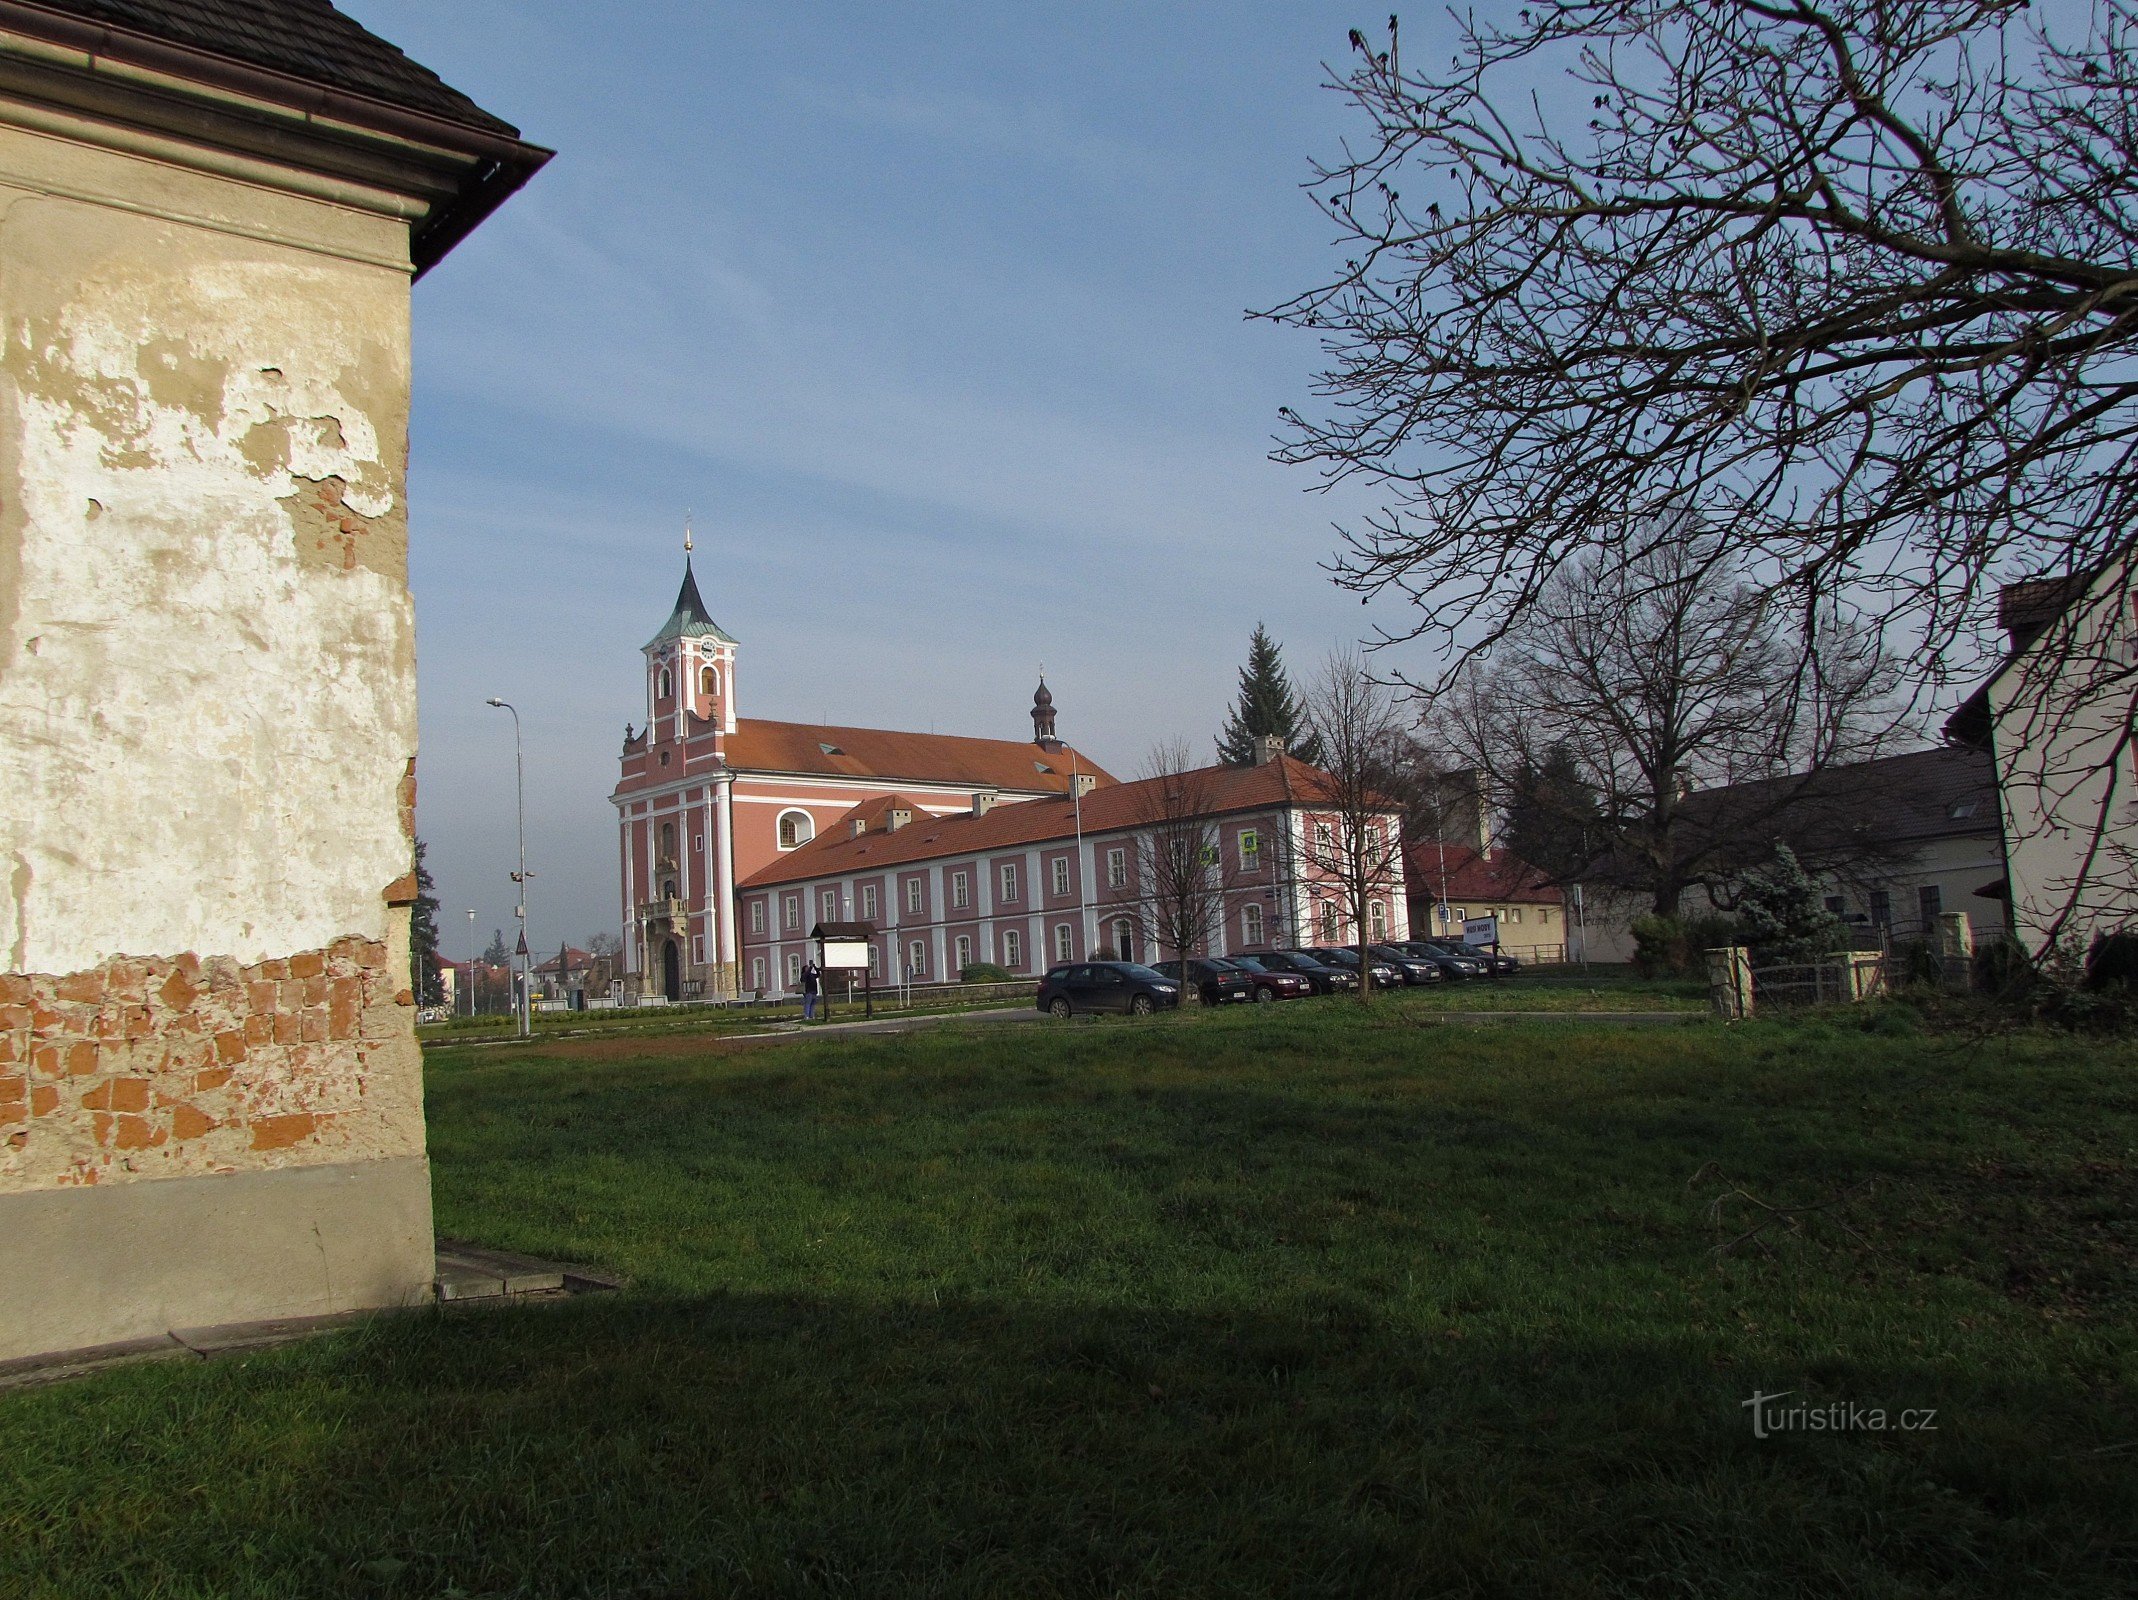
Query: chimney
(982, 804)
(900, 816)
(1081, 784)
(1268, 747)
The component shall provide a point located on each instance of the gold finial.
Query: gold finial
(686, 533)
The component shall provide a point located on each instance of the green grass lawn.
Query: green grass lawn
(1291, 1300)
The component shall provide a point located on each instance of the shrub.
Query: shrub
(1659, 948)
(1784, 919)
(985, 972)
(2112, 963)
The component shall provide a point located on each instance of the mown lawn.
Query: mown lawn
(1294, 1301)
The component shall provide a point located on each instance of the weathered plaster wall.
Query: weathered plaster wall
(207, 714)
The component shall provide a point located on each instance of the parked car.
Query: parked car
(1270, 983)
(1415, 969)
(1498, 965)
(1323, 978)
(1218, 985)
(1384, 975)
(1453, 967)
(1125, 986)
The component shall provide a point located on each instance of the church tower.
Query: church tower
(690, 669)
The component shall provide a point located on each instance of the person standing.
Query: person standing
(811, 981)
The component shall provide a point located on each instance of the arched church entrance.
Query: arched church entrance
(672, 970)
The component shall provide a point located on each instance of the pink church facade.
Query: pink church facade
(707, 798)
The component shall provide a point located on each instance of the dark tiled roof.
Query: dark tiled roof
(690, 619)
(1221, 790)
(305, 39)
(1948, 792)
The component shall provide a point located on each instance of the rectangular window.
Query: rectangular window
(1511, 914)
(1881, 908)
(964, 953)
(697, 843)
(1064, 942)
(1834, 903)
(1009, 881)
(757, 974)
(794, 911)
(1932, 900)
(1117, 869)
(960, 891)
(1324, 838)
(916, 959)
(830, 902)
(1250, 850)
(913, 894)
(757, 916)
(794, 970)
(1012, 949)
(697, 949)
(868, 902)
(1251, 925)
(1330, 927)
(875, 961)
(1061, 874)
(1377, 919)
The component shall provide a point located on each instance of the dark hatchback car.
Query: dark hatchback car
(1124, 986)
(1415, 968)
(1320, 976)
(1218, 985)
(1270, 983)
(1455, 965)
(1385, 976)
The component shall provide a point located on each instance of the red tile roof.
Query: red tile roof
(922, 759)
(1493, 876)
(835, 851)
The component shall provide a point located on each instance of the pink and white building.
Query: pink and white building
(737, 836)
(708, 798)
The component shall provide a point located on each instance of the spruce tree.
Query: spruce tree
(1782, 915)
(1553, 821)
(1266, 706)
(425, 980)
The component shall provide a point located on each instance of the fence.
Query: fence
(1738, 989)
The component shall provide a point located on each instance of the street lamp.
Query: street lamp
(471, 961)
(523, 1009)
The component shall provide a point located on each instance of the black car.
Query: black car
(1218, 985)
(1106, 986)
(1415, 969)
(1455, 964)
(1498, 965)
(1270, 983)
(1320, 976)
(1385, 976)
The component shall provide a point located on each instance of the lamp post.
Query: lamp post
(471, 961)
(522, 1009)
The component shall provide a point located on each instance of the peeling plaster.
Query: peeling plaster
(205, 534)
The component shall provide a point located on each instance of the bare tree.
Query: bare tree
(1177, 857)
(1860, 278)
(1354, 836)
(1662, 674)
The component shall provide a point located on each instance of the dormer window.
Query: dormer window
(796, 828)
(830, 749)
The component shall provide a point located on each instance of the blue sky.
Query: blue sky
(932, 316)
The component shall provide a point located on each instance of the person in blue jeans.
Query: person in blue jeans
(811, 981)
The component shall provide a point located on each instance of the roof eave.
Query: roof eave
(503, 161)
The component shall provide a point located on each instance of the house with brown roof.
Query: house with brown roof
(1029, 884)
(1451, 883)
(211, 1097)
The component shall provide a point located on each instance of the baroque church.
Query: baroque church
(709, 799)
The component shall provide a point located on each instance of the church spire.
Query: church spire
(1043, 714)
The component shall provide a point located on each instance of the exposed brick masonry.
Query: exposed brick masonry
(165, 1068)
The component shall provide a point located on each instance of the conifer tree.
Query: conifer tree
(1782, 915)
(1266, 706)
(425, 979)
